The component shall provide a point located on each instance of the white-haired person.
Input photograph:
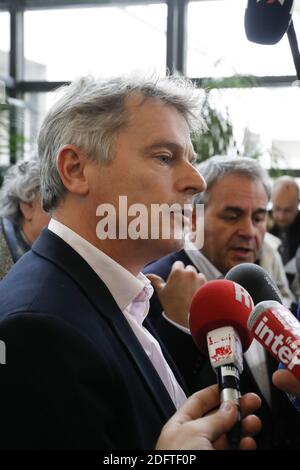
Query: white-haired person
(22, 217)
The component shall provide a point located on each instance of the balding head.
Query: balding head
(285, 199)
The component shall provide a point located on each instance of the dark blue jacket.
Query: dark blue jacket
(76, 377)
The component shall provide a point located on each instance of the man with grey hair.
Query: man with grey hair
(85, 369)
(21, 215)
(235, 211)
(226, 244)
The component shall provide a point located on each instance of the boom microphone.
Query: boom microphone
(276, 328)
(266, 21)
(256, 281)
(218, 324)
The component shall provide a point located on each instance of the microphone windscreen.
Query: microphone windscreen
(276, 328)
(216, 304)
(266, 21)
(256, 281)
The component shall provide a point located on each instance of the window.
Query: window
(265, 122)
(103, 41)
(4, 43)
(36, 106)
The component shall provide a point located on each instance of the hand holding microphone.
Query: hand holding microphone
(218, 323)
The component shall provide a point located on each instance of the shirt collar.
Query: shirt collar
(123, 286)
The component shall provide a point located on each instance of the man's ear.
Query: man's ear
(27, 210)
(71, 163)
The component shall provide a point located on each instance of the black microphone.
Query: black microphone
(266, 21)
(256, 281)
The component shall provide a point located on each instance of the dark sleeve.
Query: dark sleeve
(55, 388)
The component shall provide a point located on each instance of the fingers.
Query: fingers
(177, 265)
(285, 381)
(247, 443)
(188, 429)
(157, 281)
(200, 276)
(192, 428)
(216, 424)
(198, 404)
(191, 269)
(251, 425)
(202, 279)
(249, 403)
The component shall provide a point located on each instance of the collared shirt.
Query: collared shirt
(132, 295)
(256, 355)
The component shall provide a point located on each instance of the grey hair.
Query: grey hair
(21, 184)
(220, 165)
(91, 112)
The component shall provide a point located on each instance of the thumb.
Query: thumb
(157, 282)
(216, 424)
(285, 381)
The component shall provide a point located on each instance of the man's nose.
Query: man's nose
(247, 227)
(280, 215)
(192, 181)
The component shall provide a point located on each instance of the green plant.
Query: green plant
(11, 140)
(219, 136)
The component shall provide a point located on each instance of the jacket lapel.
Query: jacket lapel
(51, 247)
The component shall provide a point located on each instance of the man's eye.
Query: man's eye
(165, 159)
(230, 217)
(260, 219)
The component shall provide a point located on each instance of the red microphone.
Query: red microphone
(276, 328)
(218, 323)
(218, 304)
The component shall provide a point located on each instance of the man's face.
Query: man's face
(152, 165)
(34, 218)
(40, 218)
(285, 205)
(234, 221)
